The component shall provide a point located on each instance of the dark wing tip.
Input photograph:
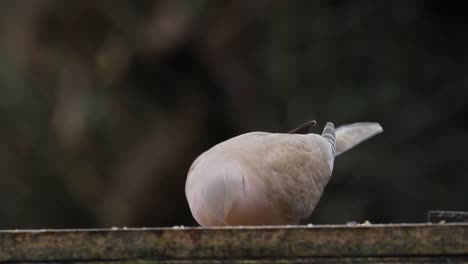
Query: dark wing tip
(305, 128)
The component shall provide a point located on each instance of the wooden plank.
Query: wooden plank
(291, 244)
(318, 260)
(447, 216)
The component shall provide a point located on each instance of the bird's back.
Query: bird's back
(272, 178)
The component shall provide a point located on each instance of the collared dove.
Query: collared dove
(261, 178)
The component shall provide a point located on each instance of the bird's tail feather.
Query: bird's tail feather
(348, 136)
(329, 134)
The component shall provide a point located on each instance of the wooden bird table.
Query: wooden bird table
(388, 243)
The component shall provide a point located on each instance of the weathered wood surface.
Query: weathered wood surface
(407, 243)
(447, 216)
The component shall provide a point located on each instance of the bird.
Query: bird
(263, 178)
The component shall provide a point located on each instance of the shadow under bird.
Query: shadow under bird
(261, 178)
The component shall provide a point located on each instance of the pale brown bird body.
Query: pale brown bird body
(261, 178)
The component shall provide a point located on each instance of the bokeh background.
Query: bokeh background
(105, 104)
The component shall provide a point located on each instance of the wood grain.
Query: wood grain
(402, 243)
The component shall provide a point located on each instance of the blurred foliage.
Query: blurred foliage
(105, 104)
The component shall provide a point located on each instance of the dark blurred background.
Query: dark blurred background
(105, 104)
